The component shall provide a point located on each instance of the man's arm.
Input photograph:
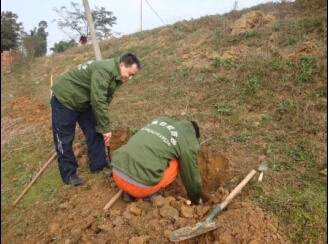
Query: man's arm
(100, 81)
(190, 174)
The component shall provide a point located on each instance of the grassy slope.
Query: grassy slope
(260, 103)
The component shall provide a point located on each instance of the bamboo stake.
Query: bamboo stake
(51, 84)
(110, 203)
(35, 178)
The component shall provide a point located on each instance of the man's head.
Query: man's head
(129, 66)
(196, 128)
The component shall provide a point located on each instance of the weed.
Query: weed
(200, 79)
(266, 117)
(245, 137)
(249, 33)
(252, 86)
(306, 69)
(225, 109)
(224, 62)
(24, 180)
(186, 71)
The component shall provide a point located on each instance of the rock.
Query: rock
(54, 227)
(180, 222)
(177, 204)
(67, 241)
(126, 215)
(158, 201)
(154, 224)
(202, 210)
(118, 221)
(105, 227)
(139, 240)
(169, 200)
(166, 233)
(133, 209)
(153, 214)
(65, 205)
(115, 212)
(187, 211)
(324, 172)
(169, 212)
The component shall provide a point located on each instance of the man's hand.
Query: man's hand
(107, 138)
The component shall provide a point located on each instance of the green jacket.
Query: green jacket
(92, 82)
(146, 155)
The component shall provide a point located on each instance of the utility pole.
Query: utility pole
(97, 51)
(141, 14)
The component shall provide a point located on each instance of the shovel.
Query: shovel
(208, 225)
(108, 151)
(263, 167)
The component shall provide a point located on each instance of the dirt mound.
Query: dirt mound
(251, 20)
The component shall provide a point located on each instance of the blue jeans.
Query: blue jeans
(63, 123)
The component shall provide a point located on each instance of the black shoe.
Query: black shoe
(75, 180)
(108, 166)
(148, 199)
(126, 197)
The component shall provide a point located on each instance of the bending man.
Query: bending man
(154, 156)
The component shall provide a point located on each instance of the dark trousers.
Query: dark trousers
(63, 123)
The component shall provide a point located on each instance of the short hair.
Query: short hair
(196, 128)
(129, 59)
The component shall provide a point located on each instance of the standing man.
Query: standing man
(82, 95)
(153, 157)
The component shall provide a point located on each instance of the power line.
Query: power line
(155, 12)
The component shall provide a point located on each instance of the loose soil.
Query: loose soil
(78, 215)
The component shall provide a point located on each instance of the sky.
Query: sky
(155, 13)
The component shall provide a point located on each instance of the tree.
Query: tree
(10, 31)
(74, 23)
(35, 44)
(62, 46)
(42, 47)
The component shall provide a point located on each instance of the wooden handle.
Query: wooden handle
(237, 189)
(35, 178)
(110, 203)
(260, 178)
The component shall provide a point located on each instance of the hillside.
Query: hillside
(255, 80)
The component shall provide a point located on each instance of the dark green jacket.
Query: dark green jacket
(146, 155)
(92, 82)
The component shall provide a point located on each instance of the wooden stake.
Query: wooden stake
(188, 202)
(110, 203)
(35, 178)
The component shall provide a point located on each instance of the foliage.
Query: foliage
(74, 23)
(62, 46)
(35, 44)
(10, 31)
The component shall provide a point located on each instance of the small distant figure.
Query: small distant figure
(83, 39)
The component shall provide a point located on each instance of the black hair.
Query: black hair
(129, 59)
(196, 128)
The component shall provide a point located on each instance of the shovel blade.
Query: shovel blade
(190, 232)
(263, 167)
